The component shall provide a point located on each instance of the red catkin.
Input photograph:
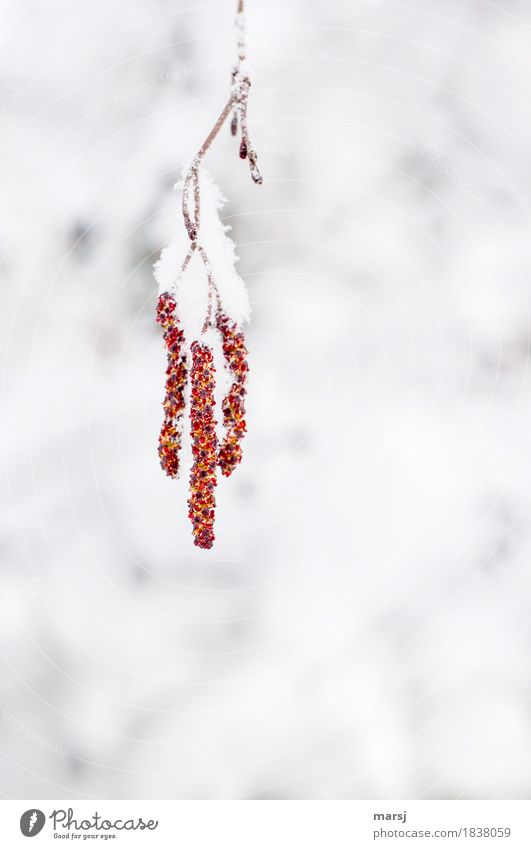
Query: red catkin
(202, 501)
(176, 373)
(235, 353)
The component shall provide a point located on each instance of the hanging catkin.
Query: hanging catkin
(176, 373)
(235, 353)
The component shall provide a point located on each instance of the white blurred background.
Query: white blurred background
(361, 628)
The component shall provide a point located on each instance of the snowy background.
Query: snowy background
(361, 628)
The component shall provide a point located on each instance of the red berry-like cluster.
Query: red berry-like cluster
(203, 481)
(235, 352)
(176, 373)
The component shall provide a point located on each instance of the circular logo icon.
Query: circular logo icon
(31, 822)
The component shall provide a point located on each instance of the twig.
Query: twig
(213, 292)
(237, 103)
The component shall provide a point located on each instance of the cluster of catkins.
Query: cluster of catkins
(207, 454)
(194, 367)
